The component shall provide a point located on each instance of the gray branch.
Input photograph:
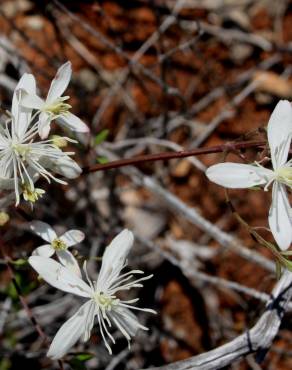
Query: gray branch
(258, 339)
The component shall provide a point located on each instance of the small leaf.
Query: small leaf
(19, 262)
(78, 361)
(102, 160)
(99, 138)
(84, 356)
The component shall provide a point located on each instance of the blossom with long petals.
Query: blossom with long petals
(55, 106)
(102, 301)
(58, 244)
(236, 175)
(21, 157)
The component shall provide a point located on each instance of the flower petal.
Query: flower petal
(45, 231)
(89, 322)
(44, 125)
(45, 250)
(59, 276)
(114, 258)
(60, 82)
(64, 166)
(32, 101)
(72, 237)
(238, 175)
(21, 114)
(68, 260)
(70, 332)
(280, 132)
(280, 217)
(127, 320)
(72, 122)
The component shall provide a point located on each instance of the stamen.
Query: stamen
(59, 245)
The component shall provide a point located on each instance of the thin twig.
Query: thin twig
(228, 147)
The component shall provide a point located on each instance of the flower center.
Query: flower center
(57, 107)
(284, 175)
(104, 301)
(21, 150)
(59, 245)
(31, 194)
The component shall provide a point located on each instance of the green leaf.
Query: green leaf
(84, 356)
(19, 262)
(99, 138)
(78, 361)
(102, 160)
(77, 365)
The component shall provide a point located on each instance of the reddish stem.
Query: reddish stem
(228, 147)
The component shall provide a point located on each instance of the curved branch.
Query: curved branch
(257, 339)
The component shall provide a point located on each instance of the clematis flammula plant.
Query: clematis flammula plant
(55, 106)
(236, 175)
(102, 301)
(22, 157)
(57, 244)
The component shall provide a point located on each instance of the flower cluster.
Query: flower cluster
(26, 154)
(237, 175)
(101, 295)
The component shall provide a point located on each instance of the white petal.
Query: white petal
(21, 114)
(127, 319)
(32, 101)
(44, 125)
(64, 166)
(68, 260)
(72, 237)
(43, 230)
(45, 250)
(67, 167)
(114, 258)
(238, 175)
(59, 276)
(89, 321)
(280, 217)
(60, 82)
(27, 83)
(70, 332)
(72, 122)
(279, 132)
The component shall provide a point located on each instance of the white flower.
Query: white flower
(236, 175)
(57, 244)
(102, 301)
(22, 159)
(54, 107)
